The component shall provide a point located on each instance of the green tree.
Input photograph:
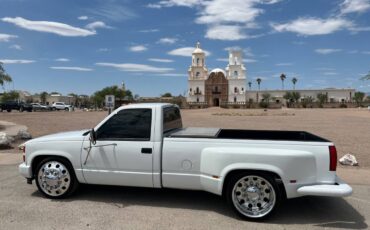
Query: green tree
(43, 97)
(4, 77)
(282, 78)
(266, 97)
(166, 95)
(366, 77)
(294, 81)
(259, 80)
(307, 101)
(322, 98)
(99, 96)
(359, 98)
(250, 85)
(10, 96)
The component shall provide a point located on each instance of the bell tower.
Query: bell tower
(197, 74)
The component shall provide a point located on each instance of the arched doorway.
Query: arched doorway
(216, 89)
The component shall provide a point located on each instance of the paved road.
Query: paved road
(98, 207)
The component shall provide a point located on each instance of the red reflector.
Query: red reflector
(333, 158)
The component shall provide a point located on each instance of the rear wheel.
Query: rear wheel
(8, 110)
(55, 178)
(253, 195)
(21, 109)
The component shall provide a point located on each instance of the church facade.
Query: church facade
(217, 86)
(228, 86)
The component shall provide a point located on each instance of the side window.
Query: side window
(127, 124)
(171, 119)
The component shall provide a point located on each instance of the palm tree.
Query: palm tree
(282, 77)
(294, 80)
(366, 77)
(258, 80)
(4, 77)
(250, 85)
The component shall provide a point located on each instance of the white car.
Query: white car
(145, 145)
(39, 107)
(60, 106)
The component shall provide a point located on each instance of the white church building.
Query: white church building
(228, 86)
(218, 86)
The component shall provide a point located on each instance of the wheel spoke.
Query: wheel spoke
(54, 178)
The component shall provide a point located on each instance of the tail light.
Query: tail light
(333, 158)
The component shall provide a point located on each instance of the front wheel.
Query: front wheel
(55, 178)
(253, 195)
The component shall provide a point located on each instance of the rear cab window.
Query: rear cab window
(171, 119)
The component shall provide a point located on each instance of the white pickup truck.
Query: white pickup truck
(145, 145)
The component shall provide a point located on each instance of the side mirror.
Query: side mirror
(93, 136)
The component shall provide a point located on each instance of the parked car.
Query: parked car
(15, 105)
(60, 106)
(39, 107)
(145, 145)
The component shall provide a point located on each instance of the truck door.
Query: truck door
(122, 154)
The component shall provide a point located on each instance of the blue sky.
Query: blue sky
(82, 46)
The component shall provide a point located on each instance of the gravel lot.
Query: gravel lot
(97, 207)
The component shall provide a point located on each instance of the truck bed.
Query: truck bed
(217, 133)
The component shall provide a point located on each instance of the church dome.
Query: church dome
(198, 50)
(218, 70)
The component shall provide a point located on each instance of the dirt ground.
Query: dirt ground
(349, 129)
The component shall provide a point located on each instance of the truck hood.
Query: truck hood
(64, 136)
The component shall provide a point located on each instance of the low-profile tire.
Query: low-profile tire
(253, 195)
(55, 178)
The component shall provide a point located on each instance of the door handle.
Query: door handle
(146, 150)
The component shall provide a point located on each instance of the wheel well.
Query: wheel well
(237, 171)
(38, 159)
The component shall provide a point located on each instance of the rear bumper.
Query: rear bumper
(25, 170)
(340, 189)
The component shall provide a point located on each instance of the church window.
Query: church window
(235, 90)
(197, 99)
(197, 74)
(242, 89)
(197, 61)
(234, 99)
(216, 89)
(197, 91)
(190, 89)
(235, 73)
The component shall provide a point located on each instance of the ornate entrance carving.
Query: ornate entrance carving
(216, 89)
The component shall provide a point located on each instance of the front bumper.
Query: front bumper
(339, 189)
(25, 170)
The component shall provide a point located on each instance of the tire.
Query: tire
(55, 178)
(21, 109)
(54, 109)
(8, 110)
(253, 195)
(66, 109)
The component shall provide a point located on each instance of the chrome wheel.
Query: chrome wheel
(53, 178)
(253, 196)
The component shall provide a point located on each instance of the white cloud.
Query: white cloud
(130, 67)
(327, 51)
(167, 40)
(284, 64)
(16, 47)
(49, 27)
(16, 61)
(313, 26)
(62, 60)
(225, 32)
(185, 52)
(95, 25)
(247, 60)
(103, 49)
(138, 48)
(226, 20)
(112, 10)
(73, 68)
(160, 60)
(330, 73)
(172, 74)
(246, 51)
(6, 37)
(170, 3)
(354, 6)
(149, 31)
(365, 52)
(83, 17)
